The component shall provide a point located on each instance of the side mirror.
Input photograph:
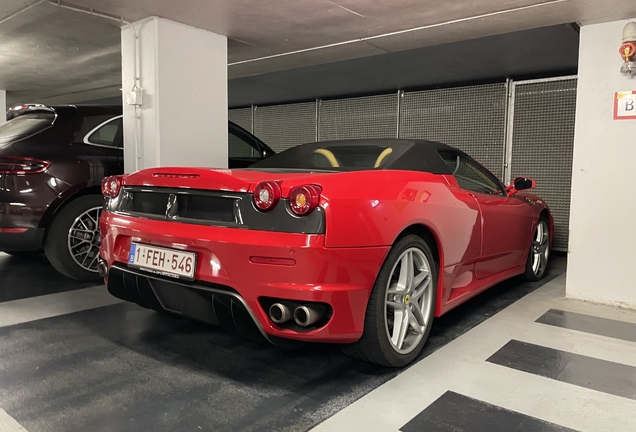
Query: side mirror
(519, 184)
(522, 183)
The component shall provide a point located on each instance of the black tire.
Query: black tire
(375, 345)
(56, 245)
(24, 254)
(531, 274)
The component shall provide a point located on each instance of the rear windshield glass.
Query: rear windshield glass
(364, 157)
(336, 156)
(24, 126)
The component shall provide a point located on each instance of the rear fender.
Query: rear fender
(68, 196)
(431, 235)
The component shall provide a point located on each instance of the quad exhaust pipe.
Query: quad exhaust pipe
(307, 315)
(280, 313)
(102, 268)
(303, 315)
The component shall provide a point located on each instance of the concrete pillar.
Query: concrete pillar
(3, 106)
(182, 119)
(602, 249)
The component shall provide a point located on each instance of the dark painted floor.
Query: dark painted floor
(124, 368)
(458, 413)
(23, 277)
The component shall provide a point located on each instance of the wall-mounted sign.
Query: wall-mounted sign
(625, 105)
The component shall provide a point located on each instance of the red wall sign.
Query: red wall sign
(625, 105)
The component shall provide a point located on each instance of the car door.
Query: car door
(244, 149)
(108, 138)
(506, 220)
(96, 149)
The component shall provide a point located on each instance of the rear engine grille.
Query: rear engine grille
(214, 207)
(150, 203)
(206, 208)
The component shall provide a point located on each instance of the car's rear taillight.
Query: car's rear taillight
(111, 186)
(266, 195)
(304, 199)
(13, 230)
(19, 165)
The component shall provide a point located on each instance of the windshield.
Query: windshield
(25, 126)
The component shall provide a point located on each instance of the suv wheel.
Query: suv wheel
(24, 254)
(72, 240)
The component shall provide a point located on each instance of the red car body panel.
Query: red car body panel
(341, 277)
(480, 239)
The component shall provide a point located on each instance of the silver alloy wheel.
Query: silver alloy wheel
(409, 297)
(84, 240)
(540, 248)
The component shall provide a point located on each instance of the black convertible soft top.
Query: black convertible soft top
(363, 154)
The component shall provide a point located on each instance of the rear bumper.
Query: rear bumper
(16, 212)
(340, 277)
(30, 240)
(25, 202)
(214, 305)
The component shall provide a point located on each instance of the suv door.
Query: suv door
(110, 135)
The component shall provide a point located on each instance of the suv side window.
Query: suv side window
(470, 175)
(107, 134)
(239, 148)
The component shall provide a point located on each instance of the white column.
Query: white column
(602, 251)
(182, 119)
(3, 106)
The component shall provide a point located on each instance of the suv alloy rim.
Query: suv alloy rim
(84, 240)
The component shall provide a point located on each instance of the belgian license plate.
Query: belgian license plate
(162, 261)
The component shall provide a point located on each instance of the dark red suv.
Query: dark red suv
(52, 162)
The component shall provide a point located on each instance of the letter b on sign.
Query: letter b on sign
(625, 105)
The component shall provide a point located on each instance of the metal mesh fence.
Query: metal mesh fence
(285, 126)
(472, 119)
(242, 117)
(543, 144)
(363, 117)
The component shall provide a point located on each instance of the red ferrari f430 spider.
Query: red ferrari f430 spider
(360, 243)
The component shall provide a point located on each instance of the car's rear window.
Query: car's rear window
(25, 126)
(350, 157)
(337, 156)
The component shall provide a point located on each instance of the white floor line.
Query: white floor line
(576, 342)
(51, 305)
(554, 401)
(460, 366)
(8, 423)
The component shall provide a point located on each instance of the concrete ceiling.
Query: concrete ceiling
(546, 51)
(51, 54)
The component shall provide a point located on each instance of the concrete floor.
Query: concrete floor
(544, 363)
(77, 360)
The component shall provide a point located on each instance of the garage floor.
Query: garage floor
(543, 364)
(73, 358)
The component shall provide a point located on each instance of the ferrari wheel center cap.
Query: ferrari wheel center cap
(407, 299)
